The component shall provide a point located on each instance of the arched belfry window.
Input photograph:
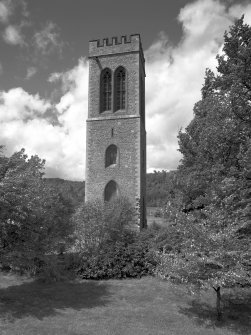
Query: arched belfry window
(120, 88)
(111, 191)
(106, 90)
(111, 155)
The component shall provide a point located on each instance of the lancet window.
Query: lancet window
(120, 88)
(106, 90)
(111, 155)
(111, 191)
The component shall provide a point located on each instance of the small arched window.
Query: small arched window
(105, 90)
(111, 191)
(111, 155)
(120, 88)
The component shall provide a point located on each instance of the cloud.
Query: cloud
(31, 71)
(175, 75)
(13, 32)
(73, 109)
(6, 10)
(26, 121)
(12, 35)
(48, 39)
(239, 10)
(17, 104)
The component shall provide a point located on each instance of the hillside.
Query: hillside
(157, 188)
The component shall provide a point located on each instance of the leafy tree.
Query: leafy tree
(33, 218)
(210, 253)
(234, 67)
(214, 176)
(215, 143)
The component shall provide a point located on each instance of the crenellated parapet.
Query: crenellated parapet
(114, 45)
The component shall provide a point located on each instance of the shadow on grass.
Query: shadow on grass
(236, 313)
(40, 300)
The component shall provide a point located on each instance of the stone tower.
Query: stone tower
(116, 136)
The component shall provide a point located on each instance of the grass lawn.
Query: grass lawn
(138, 307)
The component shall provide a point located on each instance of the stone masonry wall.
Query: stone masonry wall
(126, 135)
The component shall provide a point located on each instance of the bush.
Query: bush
(108, 240)
(97, 223)
(119, 260)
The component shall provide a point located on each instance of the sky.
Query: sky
(44, 71)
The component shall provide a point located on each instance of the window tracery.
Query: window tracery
(106, 90)
(120, 88)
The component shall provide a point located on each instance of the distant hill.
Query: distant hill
(157, 189)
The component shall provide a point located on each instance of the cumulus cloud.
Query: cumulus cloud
(73, 109)
(48, 39)
(17, 104)
(175, 75)
(12, 35)
(25, 121)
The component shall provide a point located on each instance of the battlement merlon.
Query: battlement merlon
(115, 45)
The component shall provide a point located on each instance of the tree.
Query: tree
(209, 253)
(33, 218)
(214, 174)
(215, 143)
(234, 67)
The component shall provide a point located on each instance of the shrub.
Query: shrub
(97, 223)
(119, 260)
(109, 242)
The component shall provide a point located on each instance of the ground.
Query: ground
(133, 306)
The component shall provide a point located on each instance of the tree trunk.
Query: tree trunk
(218, 303)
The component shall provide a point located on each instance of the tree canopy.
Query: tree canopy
(214, 177)
(33, 217)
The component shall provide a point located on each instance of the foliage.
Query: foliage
(97, 223)
(109, 242)
(33, 217)
(126, 257)
(159, 188)
(73, 192)
(210, 253)
(213, 179)
(215, 144)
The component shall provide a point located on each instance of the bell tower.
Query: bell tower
(116, 136)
